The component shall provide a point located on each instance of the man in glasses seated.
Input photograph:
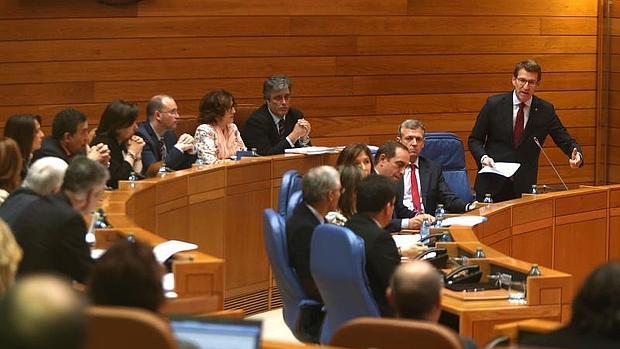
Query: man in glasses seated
(508, 128)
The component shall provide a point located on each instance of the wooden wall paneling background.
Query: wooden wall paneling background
(613, 101)
(358, 67)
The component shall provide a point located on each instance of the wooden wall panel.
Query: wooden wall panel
(613, 101)
(358, 67)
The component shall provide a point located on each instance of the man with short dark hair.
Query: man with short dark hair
(160, 141)
(375, 204)
(70, 138)
(275, 126)
(507, 130)
(415, 293)
(321, 191)
(51, 231)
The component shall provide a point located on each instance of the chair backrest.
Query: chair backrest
(291, 183)
(126, 328)
(288, 283)
(293, 201)
(337, 263)
(447, 149)
(385, 333)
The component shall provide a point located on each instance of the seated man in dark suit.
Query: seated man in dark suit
(429, 186)
(70, 138)
(595, 322)
(321, 191)
(391, 160)
(375, 203)
(51, 231)
(415, 293)
(44, 178)
(160, 141)
(276, 126)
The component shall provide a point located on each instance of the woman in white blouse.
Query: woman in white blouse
(217, 138)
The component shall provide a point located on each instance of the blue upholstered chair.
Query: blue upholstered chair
(294, 200)
(291, 183)
(293, 296)
(447, 149)
(337, 263)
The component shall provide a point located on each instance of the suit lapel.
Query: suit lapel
(507, 116)
(424, 180)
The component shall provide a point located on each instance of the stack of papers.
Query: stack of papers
(310, 150)
(468, 221)
(506, 169)
(405, 242)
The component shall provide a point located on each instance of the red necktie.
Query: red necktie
(415, 193)
(516, 133)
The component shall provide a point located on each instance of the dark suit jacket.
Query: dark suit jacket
(299, 228)
(261, 132)
(16, 203)
(51, 147)
(175, 159)
(569, 337)
(434, 191)
(119, 168)
(492, 136)
(52, 234)
(382, 257)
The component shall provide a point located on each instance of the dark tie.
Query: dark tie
(281, 128)
(415, 192)
(518, 131)
(162, 150)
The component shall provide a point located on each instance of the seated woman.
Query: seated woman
(217, 138)
(350, 176)
(357, 154)
(10, 255)
(25, 129)
(10, 167)
(116, 129)
(128, 275)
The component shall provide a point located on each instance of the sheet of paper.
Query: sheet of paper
(468, 221)
(506, 169)
(405, 242)
(310, 150)
(166, 249)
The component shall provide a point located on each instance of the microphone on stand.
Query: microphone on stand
(550, 163)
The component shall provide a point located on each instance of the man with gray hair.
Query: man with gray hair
(51, 231)
(160, 141)
(275, 126)
(321, 191)
(44, 178)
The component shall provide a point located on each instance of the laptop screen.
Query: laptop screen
(216, 333)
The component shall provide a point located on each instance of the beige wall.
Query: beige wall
(359, 66)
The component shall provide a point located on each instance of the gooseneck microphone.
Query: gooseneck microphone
(550, 163)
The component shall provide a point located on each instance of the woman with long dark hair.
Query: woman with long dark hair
(25, 129)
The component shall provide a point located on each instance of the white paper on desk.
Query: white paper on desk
(407, 241)
(506, 169)
(309, 150)
(468, 221)
(166, 249)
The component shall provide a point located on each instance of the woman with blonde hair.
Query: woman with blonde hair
(10, 255)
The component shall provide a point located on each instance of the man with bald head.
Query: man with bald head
(160, 141)
(42, 312)
(415, 293)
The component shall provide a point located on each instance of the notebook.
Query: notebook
(216, 333)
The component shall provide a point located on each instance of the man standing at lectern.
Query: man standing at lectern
(506, 129)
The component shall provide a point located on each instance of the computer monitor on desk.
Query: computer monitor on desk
(217, 333)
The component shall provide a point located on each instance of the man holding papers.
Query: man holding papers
(505, 130)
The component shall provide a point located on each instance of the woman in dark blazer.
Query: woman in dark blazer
(116, 129)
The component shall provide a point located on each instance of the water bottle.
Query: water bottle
(534, 189)
(132, 179)
(425, 229)
(254, 153)
(439, 215)
(199, 163)
(487, 199)
(479, 253)
(162, 170)
(534, 270)
(102, 220)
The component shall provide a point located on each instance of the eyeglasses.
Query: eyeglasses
(171, 112)
(523, 81)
